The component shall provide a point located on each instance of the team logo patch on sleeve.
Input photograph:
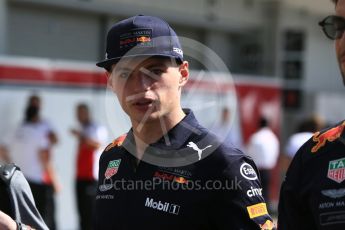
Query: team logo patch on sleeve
(268, 225)
(117, 142)
(330, 136)
(112, 169)
(248, 172)
(257, 210)
(336, 170)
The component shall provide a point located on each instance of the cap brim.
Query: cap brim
(108, 62)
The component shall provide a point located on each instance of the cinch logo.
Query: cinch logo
(254, 192)
(160, 206)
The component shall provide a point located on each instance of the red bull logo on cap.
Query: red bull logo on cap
(137, 37)
(330, 136)
(143, 39)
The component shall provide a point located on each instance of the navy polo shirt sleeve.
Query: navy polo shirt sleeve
(241, 205)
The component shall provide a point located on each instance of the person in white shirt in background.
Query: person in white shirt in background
(44, 125)
(30, 149)
(263, 147)
(304, 132)
(92, 139)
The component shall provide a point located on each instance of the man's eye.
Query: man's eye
(156, 71)
(124, 75)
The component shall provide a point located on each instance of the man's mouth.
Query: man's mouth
(143, 104)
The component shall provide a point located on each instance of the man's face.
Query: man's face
(148, 89)
(340, 43)
(35, 101)
(82, 115)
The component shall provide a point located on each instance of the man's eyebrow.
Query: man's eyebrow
(156, 65)
(122, 69)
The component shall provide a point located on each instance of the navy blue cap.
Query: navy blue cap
(141, 36)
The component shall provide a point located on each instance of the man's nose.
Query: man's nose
(143, 80)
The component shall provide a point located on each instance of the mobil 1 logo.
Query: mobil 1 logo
(162, 206)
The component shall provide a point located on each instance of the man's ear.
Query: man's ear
(109, 81)
(184, 73)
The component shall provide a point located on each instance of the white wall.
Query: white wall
(328, 106)
(46, 32)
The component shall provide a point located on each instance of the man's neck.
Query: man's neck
(152, 131)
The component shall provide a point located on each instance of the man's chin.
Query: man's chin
(147, 117)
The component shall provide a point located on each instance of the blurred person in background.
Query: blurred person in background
(263, 147)
(312, 195)
(91, 138)
(304, 132)
(43, 124)
(30, 149)
(225, 131)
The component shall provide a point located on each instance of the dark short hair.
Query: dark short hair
(83, 106)
(33, 97)
(30, 113)
(335, 1)
(263, 122)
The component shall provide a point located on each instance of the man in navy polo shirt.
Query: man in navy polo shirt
(167, 172)
(312, 195)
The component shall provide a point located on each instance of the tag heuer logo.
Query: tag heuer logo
(336, 170)
(113, 167)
